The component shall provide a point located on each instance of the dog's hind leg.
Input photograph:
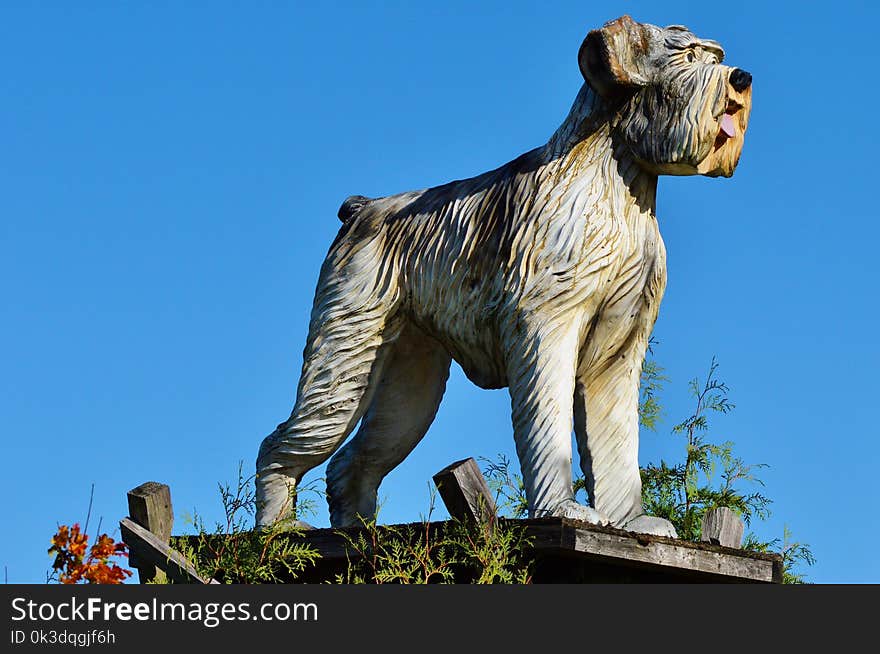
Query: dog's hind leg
(352, 326)
(402, 409)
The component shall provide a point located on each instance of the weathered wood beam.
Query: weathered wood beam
(722, 526)
(653, 552)
(149, 505)
(150, 550)
(465, 492)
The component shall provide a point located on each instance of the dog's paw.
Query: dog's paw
(648, 524)
(574, 511)
(275, 501)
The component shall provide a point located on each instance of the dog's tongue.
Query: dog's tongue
(727, 125)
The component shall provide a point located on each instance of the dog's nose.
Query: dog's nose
(740, 80)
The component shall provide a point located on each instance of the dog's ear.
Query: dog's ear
(614, 59)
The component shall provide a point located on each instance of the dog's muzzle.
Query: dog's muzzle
(739, 81)
(732, 124)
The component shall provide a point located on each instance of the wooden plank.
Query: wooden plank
(657, 553)
(465, 492)
(149, 505)
(150, 550)
(722, 526)
(330, 542)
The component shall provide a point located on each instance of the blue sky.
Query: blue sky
(170, 177)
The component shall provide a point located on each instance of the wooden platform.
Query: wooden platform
(562, 550)
(568, 551)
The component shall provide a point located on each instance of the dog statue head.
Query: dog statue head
(678, 109)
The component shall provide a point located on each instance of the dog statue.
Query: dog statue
(544, 276)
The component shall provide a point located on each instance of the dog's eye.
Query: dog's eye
(690, 56)
(713, 59)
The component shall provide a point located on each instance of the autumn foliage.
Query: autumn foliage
(75, 562)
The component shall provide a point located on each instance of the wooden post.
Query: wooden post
(157, 553)
(465, 492)
(149, 505)
(722, 526)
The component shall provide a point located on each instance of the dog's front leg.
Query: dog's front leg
(541, 371)
(606, 425)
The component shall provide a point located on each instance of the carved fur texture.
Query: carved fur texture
(543, 276)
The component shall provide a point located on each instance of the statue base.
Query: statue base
(569, 551)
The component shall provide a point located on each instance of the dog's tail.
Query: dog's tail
(351, 206)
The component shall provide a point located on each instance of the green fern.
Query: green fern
(233, 553)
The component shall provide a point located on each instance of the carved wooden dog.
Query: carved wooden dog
(544, 276)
